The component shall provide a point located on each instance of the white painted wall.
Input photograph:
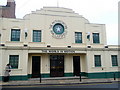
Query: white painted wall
(41, 20)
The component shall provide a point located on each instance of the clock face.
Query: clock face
(58, 28)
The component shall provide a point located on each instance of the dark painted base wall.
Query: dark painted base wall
(104, 75)
(89, 75)
(0, 78)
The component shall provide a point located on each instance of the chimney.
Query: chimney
(11, 5)
(10, 0)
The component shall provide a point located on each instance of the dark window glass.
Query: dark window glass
(96, 38)
(78, 37)
(13, 60)
(15, 35)
(36, 35)
(97, 59)
(114, 60)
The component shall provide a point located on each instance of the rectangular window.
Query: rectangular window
(97, 59)
(78, 37)
(13, 60)
(15, 35)
(114, 60)
(36, 35)
(96, 38)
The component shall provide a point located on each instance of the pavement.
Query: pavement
(57, 81)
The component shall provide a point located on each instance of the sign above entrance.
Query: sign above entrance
(58, 51)
(58, 29)
(70, 51)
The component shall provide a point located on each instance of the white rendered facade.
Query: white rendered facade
(58, 30)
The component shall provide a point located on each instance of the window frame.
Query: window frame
(96, 41)
(96, 64)
(35, 39)
(115, 63)
(15, 35)
(78, 37)
(14, 64)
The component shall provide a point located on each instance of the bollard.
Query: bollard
(40, 77)
(80, 77)
(114, 76)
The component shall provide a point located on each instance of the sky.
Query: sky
(96, 11)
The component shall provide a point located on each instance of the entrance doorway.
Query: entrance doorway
(76, 65)
(36, 66)
(56, 65)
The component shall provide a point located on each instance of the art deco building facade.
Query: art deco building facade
(56, 42)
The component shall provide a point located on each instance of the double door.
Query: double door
(56, 65)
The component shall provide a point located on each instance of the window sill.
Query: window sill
(96, 43)
(98, 67)
(37, 42)
(78, 43)
(114, 66)
(15, 69)
(14, 42)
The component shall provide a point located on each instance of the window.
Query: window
(13, 60)
(36, 35)
(97, 59)
(114, 60)
(96, 38)
(15, 35)
(78, 37)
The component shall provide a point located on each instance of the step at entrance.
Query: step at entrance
(58, 78)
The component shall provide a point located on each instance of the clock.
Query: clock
(58, 29)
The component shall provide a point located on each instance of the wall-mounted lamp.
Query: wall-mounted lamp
(88, 36)
(26, 32)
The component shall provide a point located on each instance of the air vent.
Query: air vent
(2, 44)
(69, 46)
(89, 46)
(106, 46)
(48, 46)
(25, 45)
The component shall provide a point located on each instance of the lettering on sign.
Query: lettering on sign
(58, 51)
